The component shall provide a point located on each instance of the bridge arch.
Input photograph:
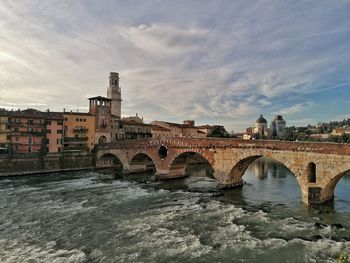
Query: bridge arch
(109, 160)
(141, 162)
(327, 193)
(181, 161)
(235, 176)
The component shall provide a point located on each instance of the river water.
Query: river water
(76, 217)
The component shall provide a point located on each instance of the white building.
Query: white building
(261, 126)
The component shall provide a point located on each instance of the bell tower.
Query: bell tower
(114, 94)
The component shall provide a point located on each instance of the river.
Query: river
(76, 217)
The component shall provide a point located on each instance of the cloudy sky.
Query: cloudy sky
(216, 61)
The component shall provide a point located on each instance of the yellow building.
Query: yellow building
(4, 133)
(79, 131)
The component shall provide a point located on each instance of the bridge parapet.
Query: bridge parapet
(185, 142)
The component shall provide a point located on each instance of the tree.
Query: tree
(219, 132)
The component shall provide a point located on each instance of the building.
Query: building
(31, 131)
(159, 132)
(114, 94)
(79, 131)
(136, 130)
(261, 126)
(340, 131)
(170, 129)
(248, 134)
(100, 108)
(278, 125)
(207, 129)
(54, 132)
(4, 131)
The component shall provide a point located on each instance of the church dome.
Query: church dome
(261, 120)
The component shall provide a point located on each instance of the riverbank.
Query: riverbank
(31, 164)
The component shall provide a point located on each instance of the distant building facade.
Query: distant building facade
(135, 128)
(261, 126)
(114, 94)
(170, 129)
(100, 108)
(278, 124)
(31, 131)
(79, 131)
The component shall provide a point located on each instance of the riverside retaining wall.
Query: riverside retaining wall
(23, 164)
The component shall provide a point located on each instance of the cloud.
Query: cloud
(297, 108)
(221, 62)
(163, 39)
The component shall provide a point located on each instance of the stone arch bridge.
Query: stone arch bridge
(317, 166)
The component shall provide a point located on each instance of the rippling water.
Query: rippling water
(72, 217)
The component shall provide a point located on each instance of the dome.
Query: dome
(261, 120)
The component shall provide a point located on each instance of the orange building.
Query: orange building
(30, 131)
(79, 131)
(54, 132)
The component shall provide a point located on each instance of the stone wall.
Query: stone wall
(30, 163)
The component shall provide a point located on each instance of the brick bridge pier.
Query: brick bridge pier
(317, 166)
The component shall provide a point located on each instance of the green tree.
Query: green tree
(219, 132)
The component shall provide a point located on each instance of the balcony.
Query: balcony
(80, 130)
(75, 140)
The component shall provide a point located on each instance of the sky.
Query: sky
(216, 61)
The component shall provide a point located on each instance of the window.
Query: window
(29, 149)
(77, 120)
(65, 119)
(311, 168)
(84, 120)
(48, 122)
(30, 122)
(81, 120)
(17, 139)
(48, 131)
(8, 137)
(16, 129)
(30, 140)
(59, 122)
(59, 131)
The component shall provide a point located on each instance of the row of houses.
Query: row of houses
(34, 131)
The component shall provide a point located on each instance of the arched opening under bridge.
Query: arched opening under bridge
(195, 170)
(141, 163)
(266, 180)
(339, 189)
(191, 164)
(111, 161)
